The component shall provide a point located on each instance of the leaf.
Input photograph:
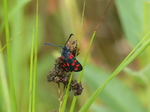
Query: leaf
(131, 15)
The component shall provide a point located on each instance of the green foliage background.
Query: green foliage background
(124, 26)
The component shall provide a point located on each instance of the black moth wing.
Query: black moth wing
(71, 64)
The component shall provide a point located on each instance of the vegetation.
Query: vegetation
(114, 55)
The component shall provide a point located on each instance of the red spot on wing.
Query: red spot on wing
(70, 56)
(75, 61)
(75, 69)
(77, 65)
(64, 65)
(73, 64)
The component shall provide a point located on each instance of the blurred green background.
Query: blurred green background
(125, 24)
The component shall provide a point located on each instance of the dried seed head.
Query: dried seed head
(72, 46)
(76, 87)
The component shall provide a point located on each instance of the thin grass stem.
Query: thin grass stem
(31, 74)
(66, 95)
(87, 53)
(35, 61)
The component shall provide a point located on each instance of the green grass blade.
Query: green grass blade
(126, 61)
(35, 62)
(9, 61)
(81, 73)
(117, 96)
(4, 86)
(66, 96)
(13, 11)
(7, 44)
(31, 74)
(86, 56)
(131, 19)
(87, 53)
(73, 104)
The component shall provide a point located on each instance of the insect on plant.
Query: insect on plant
(64, 65)
(69, 62)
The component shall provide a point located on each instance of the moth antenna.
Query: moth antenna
(68, 39)
(52, 44)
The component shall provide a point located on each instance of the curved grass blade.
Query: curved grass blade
(125, 62)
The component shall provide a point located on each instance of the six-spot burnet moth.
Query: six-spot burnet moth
(69, 62)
